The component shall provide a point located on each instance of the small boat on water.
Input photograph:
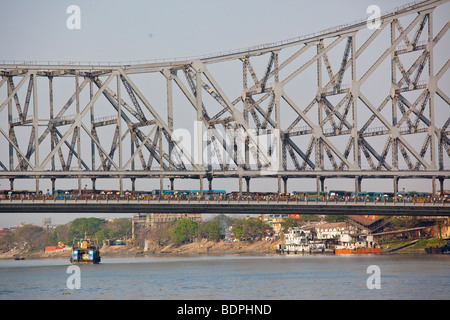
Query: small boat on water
(84, 251)
(445, 249)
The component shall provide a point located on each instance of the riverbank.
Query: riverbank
(211, 247)
(198, 247)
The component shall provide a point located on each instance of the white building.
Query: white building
(332, 230)
(303, 240)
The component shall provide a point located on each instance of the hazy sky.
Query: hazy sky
(141, 30)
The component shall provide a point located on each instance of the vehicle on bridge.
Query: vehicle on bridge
(332, 195)
(310, 195)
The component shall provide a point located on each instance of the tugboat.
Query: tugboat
(84, 251)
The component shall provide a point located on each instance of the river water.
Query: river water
(232, 277)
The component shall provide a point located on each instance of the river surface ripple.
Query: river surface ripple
(226, 277)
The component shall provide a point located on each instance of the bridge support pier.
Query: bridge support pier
(320, 184)
(396, 186)
(358, 181)
(11, 184)
(285, 179)
(201, 185)
(94, 180)
(172, 183)
(433, 185)
(247, 183)
(53, 185)
(441, 183)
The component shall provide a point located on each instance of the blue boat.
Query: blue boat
(84, 251)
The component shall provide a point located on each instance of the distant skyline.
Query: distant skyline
(143, 30)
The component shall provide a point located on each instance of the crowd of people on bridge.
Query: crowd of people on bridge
(333, 195)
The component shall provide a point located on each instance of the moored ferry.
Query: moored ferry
(84, 251)
(357, 250)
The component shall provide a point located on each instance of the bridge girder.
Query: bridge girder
(273, 126)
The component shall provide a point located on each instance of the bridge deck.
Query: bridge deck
(225, 206)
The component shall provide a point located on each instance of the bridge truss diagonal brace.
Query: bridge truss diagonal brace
(77, 121)
(317, 132)
(238, 116)
(395, 132)
(160, 121)
(16, 89)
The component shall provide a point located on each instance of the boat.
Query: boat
(84, 251)
(357, 250)
(357, 243)
(302, 241)
(445, 249)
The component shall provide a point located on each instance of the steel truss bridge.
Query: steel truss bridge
(347, 102)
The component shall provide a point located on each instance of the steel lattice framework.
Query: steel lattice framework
(324, 100)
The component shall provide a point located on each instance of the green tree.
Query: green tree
(83, 226)
(309, 217)
(182, 231)
(211, 230)
(120, 225)
(31, 237)
(404, 222)
(251, 229)
(287, 223)
(58, 234)
(334, 218)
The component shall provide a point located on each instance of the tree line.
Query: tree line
(32, 238)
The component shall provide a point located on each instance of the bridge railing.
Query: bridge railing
(161, 200)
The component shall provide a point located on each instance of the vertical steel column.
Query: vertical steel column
(10, 127)
(35, 126)
(52, 129)
(318, 149)
(277, 91)
(246, 110)
(169, 92)
(199, 122)
(394, 98)
(91, 94)
(119, 127)
(78, 128)
(355, 93)
(432, 85)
